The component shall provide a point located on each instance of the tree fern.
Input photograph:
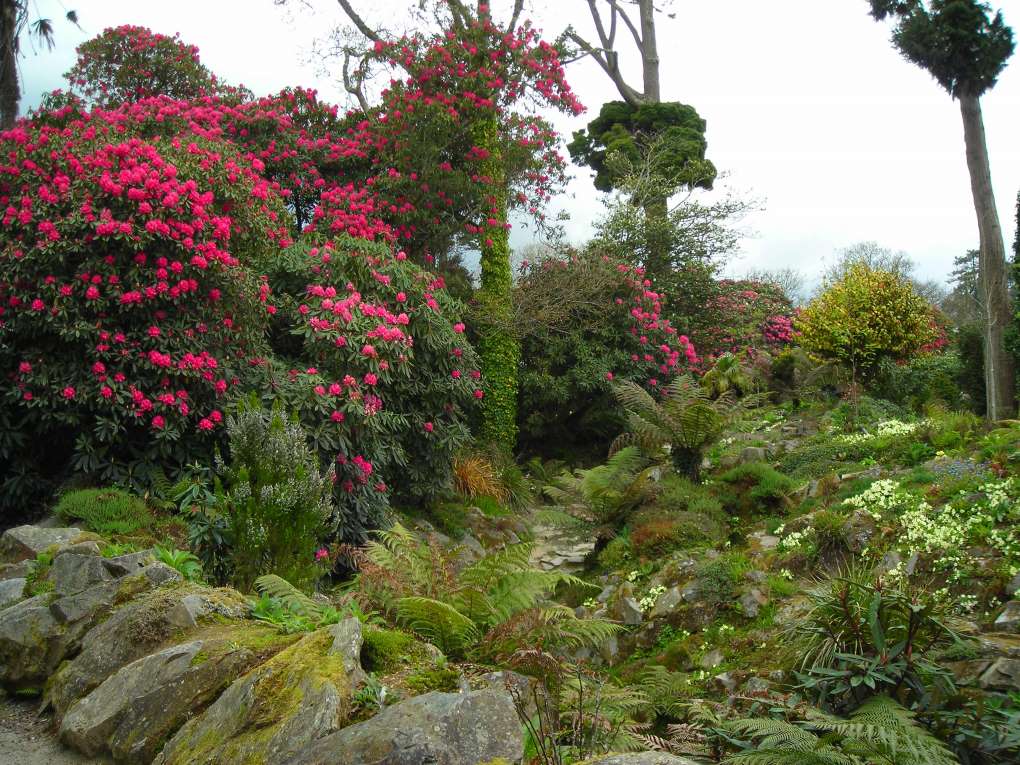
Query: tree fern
(606, 493)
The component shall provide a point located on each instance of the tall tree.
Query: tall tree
(965, 47)
(14, 19)
(666, 136)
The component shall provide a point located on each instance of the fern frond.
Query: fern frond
(437, 622)
(774, 733)
(289, 596)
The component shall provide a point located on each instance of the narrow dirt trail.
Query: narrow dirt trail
(25, 739)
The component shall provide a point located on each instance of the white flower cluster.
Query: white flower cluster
(882, 497)
(883, 429)
(648, 601)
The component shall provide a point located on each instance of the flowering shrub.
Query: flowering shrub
(744, 317)
(128, 311)
(128, 63)
(276, 501)
(588, 321)
(389, 379)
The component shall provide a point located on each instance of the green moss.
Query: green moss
(433, 679)
(386, 650)
(107, 510)
(263, 640)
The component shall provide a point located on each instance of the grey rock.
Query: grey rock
(756, 685)
(712, 659)
(640, 758)
(752, 601)
(26, 542)
(15, 570)
(628, 611)
(758, 577)
(271, 713)
(753, 454)
(130, 633)
(73, 573)
(11, 591)
(27, 630)
(74, 608)
(667, 602)
(609, 650)
(1009, 619)
(131, 563)
(439, 728)
(1003, 675)
(725, 682)
(347, 642)
(81, 548)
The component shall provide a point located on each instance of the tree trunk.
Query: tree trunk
(657, 260)
(649, 54)
(999, 377)
(10, 93)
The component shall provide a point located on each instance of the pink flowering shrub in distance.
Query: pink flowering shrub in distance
(128, 312)
(588, 320)
(744, 317)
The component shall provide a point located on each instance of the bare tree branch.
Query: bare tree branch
(626, 20)
(354, 84)
(515, 16)
(364, 28)
(608, 60)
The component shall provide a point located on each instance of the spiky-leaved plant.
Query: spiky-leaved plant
(879, 731)
(687, 419)
(484, 610)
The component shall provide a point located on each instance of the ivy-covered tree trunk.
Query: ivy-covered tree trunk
(999, 375)
(10, 93)
(498, 347)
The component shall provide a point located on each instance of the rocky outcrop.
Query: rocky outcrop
(135, 710)
(136, 630)
(26, 542)
(272, 713)
(441, 728)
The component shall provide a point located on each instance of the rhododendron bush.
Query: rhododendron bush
(744, 317)
(128, 314)
(147, 278)
(588, 320)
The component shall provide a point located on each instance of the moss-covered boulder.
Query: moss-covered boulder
(136, 629)
(26, 542)
(442, 728)
(272, 713)
(135, 710)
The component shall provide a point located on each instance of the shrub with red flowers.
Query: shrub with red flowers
(129, 310)
(128, 63)
(588, 320)
(389, 378)
(744, 317)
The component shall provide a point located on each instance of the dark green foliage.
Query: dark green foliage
(757, 487)
(864, 637)
(716, 580)
(676, 129)
(958, 42)
(277, 503)
(923, 380)
(607, 493)
(105, 511)
(879, 731)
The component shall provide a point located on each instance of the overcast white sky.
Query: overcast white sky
(807, 103)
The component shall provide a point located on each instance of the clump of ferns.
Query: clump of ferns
(481, 611)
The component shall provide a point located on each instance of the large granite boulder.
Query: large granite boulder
(1009, 619)
(270, 714)
(26, 542)
(136, 630)
(135, 710)
(11, 591)
(440, 728)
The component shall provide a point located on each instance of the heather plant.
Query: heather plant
(277, 502)
(104, 510)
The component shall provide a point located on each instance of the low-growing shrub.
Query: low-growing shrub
(756, 487)
(106, 511)
(921, 381)
(654, 534)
